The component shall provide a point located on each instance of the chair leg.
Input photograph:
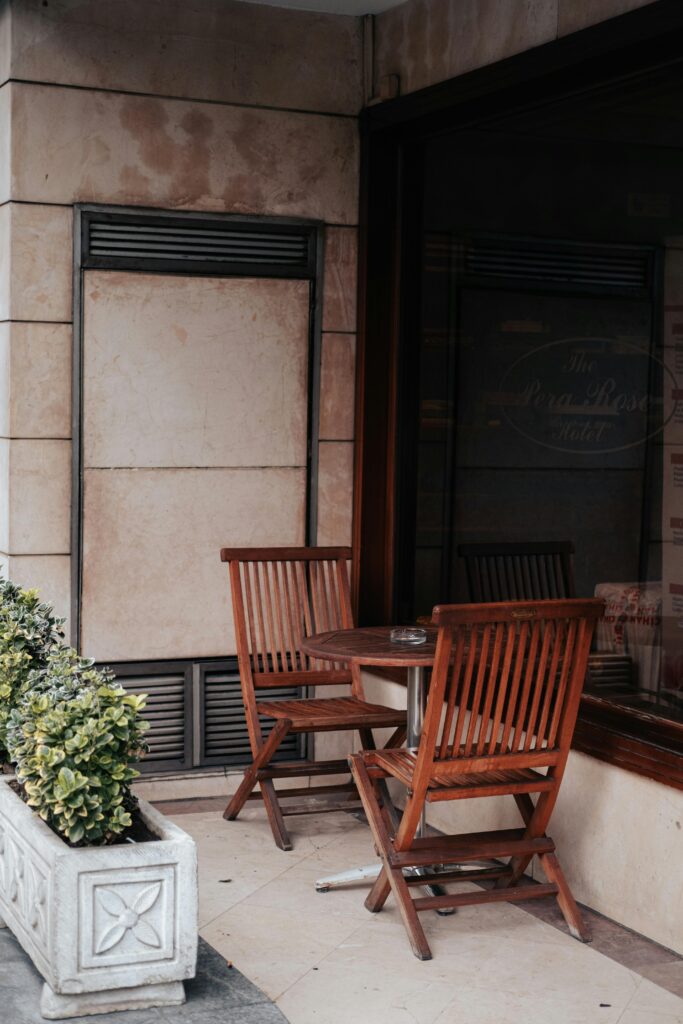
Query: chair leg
(536, 818)
(416, 935)
(367, 739)
(275, 817)
(378, 826)
(394, 876)
(379, 894)
(384, 800)
(405, 833)
(572, 915)
(261, 759)
(397, 738)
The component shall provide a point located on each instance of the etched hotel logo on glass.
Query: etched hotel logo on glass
(589, 395)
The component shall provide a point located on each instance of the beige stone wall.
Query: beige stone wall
(429, 41)
(219, 106)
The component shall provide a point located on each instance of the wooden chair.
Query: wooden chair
(527, 571)
(280, 595)
(502, 705)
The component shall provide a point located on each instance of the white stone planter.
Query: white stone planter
(109, 928)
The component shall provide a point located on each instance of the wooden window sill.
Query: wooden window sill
(631, 739)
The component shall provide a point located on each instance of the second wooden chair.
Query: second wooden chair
(279, 596)
(501, 710)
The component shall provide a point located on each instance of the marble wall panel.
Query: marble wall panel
(5, 41)
(214, 50)
(41, 261)
(5, 138)
(5, 357)
(5, 264)
(428, 41)
(337, 387)
(35, 380)
(4, 495)
(335, 492)
(154, 585)
(39, 497)
(182, 371)
(573, 15)
(340, 283)
(76, 145)
(50, 575)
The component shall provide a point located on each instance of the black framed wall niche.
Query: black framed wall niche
(196, 377)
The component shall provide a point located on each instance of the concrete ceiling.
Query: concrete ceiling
(352, 7)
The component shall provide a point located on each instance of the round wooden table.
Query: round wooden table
(371, 646)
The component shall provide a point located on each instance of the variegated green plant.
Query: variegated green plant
(29, 633)
(72, 737)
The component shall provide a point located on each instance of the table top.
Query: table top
(370, 645)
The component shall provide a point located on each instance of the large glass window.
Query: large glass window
(541, 367)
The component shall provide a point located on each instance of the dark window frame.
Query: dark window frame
(392, 134)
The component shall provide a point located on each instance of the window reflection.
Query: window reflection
(545, 398)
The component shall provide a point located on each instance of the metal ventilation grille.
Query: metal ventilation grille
(225, 736)
(166, 712)
(560, 263)
(209, 245)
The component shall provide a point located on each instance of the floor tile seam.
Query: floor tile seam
(658, 1017)
(663, 1013)
(283, 993)
(317, 964)
(248, 896)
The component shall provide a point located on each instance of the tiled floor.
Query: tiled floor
(325, 960)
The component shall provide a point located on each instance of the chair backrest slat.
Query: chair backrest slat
(560, 655)
(502, 687)
(290, 639)
(282, 648)
(510, 676)
(262, 639)
(481, 654)
(542, 673)
(490, 688)
(281, 595)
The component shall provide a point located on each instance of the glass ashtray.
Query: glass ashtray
(412, 635)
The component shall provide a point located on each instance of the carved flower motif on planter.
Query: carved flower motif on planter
(126, 918)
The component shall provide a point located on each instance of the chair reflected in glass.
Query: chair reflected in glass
(520, 571)
(501, 711)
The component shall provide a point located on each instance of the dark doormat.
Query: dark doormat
(218, 995)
